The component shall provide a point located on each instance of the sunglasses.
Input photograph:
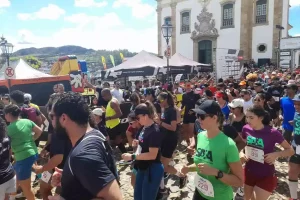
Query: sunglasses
(258, 100)
(202, 117)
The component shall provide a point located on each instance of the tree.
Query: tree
(33, 62)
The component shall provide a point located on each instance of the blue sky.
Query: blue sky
(97, 24)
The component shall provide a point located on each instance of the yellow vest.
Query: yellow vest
(109, 113)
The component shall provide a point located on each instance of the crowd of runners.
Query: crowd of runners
(233, 130)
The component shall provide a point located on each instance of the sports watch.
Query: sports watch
(220, 174)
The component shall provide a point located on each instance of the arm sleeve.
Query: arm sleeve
(98, 175)
(232, 152)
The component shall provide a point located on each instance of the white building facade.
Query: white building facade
(202, 26)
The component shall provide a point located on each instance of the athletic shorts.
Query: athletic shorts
(189, 119)
(268, 183)
(8, 187)
(23, 167)
(169, 144)
(114, 132)
(295, 158)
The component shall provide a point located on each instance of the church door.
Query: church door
(205, 52)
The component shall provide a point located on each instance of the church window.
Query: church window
(228, 16)
(261, 11)
(185, 22)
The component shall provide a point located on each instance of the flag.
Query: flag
(112, 60)
(103, 62)
(122, 57)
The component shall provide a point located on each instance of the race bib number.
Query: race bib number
(276, 98)
(138, 150)
(255, 154)
(204, 186)
(46, 176)
(298, 149)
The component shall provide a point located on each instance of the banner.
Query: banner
(112, 60)
(103, 62)
(178, 77)
(122, 57)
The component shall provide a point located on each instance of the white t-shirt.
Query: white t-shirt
(179, 90)
(118, 94)
(247, 104)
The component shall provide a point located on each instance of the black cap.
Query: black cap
(210, 107)
(292, 86)
(257, 83)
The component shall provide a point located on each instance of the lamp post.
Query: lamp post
(166, 30)
(6, 48)
(280, 28)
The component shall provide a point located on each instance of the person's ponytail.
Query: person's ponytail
(151, 109)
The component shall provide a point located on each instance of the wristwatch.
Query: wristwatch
(220, 174)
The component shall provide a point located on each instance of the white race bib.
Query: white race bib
(204, 186)
(276, 98)
(298, 149)
(255, 154)
(46, 176)
(138, 150)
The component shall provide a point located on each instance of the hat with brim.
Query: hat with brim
(297, 98)
(208, 107)
(236, 103)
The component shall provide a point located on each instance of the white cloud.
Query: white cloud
(4, 3)
(90, 3)
(51, 12)
(96, 32)
(294, 3)
(107, 20)
(138, 8)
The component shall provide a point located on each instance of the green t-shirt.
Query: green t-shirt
(217, 152)
(22, 143)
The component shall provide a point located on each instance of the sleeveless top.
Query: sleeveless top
(109, 113)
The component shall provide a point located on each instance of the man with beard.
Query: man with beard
(90, 171)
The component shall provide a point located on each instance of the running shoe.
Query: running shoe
(122, 162)
(182, 182)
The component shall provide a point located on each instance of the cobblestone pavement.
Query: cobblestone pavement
(282, 190)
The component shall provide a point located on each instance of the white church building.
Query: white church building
(201, 27)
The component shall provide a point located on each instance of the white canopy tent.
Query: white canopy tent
(23, 71)
(180, 64)
(142, 64)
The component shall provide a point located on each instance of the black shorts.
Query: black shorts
(114, 132)
(169, 144)
(189, 119)
(295, 158)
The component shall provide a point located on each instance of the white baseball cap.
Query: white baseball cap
(98, 111)
(27, 97)
(235, 103)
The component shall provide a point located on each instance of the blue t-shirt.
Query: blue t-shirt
(288, 109)
(226, 111)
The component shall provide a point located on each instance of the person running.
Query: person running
(7, 173)
(149, 168)
(189, 99)
(112, 118)
(90, 171)
(237, 118)
(261, 100)
(23, 146)
(168, 124)
(217, 171)
(294, 162)
(260, 138)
